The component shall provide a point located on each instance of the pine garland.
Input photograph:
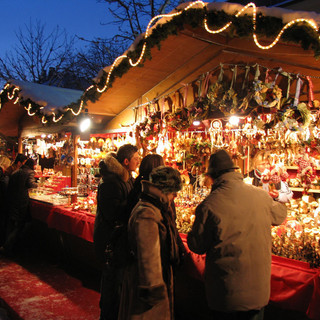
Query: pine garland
(241, 27)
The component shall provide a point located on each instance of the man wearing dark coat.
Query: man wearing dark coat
(20, 182)
(110, 229)
(233, 228)
(19, 160)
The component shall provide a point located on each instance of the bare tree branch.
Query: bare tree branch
(39, 56)
(133, 16)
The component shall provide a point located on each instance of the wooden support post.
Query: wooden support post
(74, 169)
(20, 146)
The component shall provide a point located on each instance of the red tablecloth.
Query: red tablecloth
(78, 223)
(294, 285)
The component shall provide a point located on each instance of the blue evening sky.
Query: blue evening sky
(78, 17)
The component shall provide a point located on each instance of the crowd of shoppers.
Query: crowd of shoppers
(136, 237)
(16, 180)
(139, 247)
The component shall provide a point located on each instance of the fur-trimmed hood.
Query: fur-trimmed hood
(112, 165)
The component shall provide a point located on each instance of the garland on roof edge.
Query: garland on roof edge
(11, 93)
(241, 27)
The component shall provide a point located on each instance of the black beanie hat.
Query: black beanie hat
(219, 162)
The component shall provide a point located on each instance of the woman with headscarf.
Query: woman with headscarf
(148, 284)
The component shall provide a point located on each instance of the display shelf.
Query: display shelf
(296, 168)
(300, 189)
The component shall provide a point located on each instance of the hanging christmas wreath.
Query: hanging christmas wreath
(179, 120)
(199, 109)
(229, 103)
(266, 95)
(151, 125)
(297, 118)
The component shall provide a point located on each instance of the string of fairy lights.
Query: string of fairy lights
(14, 94)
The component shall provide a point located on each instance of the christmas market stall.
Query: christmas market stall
(208, 76)
(45, 124)
(221, 75)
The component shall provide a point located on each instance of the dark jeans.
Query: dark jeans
(239, 315)
(16, 231)
(110, 290)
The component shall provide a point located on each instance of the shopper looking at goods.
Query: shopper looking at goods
(20, 182)
(270, 178)
(4, 180)
(110, 235)
(233, 228)
(148, 163)
(17, 163)
(148, 282)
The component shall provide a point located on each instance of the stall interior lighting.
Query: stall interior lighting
(234, 120)
(196, 123)
(85, 124)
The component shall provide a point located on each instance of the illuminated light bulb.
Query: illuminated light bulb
(288, 25)
(56, 120)
(43, 120)
(196, 123)
(43, 136)
(234, 120)
(29, 110)
(5, 87)
(85, 121)
(85, 124)
(216, 31)
(250, 4)
(140, 58)
(80, 108)
(16, 101)
(13, 93)
(110, 72)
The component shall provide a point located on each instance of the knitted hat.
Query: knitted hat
(219, 162)
(167, 179)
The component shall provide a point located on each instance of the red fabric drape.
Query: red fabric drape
(78, 223)
(294, 285)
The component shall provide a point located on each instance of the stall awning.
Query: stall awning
(182, 58)
(24, 104)
(18, 99)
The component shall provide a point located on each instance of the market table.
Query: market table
(294, 285)
(78, 223)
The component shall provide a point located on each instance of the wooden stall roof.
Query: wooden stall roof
(14, 118)
(182, 58)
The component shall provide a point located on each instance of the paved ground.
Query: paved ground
(38, 286)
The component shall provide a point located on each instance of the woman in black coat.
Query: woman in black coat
(148, 163)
